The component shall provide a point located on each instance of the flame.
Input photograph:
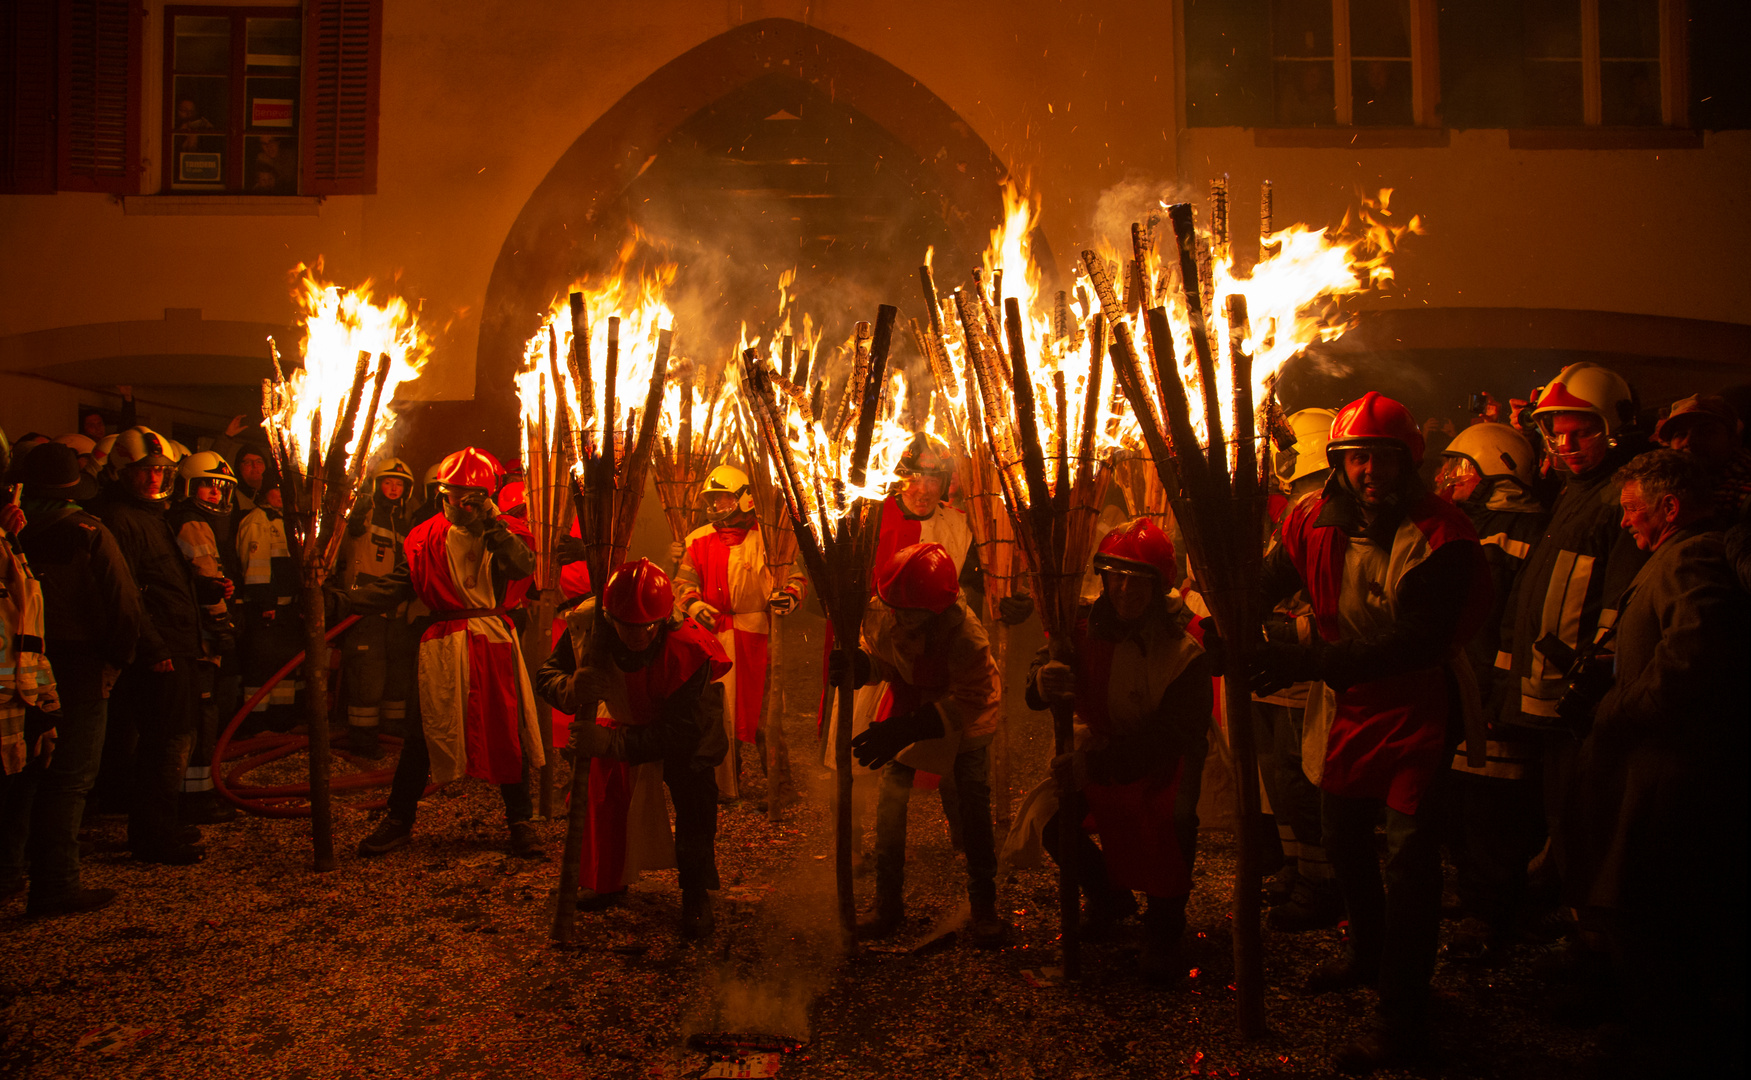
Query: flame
(339, 324)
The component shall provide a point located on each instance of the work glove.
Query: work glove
(1055, 681)
(850, 674)
(676, 550)
(881, 741)
(590, 739)
(1214, 647)
(1013, 610)
(1070, 772)
(1276, 666)
(586, 686)
(570, 549)
(703, 614)
(782, 602)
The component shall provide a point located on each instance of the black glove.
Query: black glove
(1015, 609)
(1214, 647)
(209, 590)
(1282, 629)
(570, 550)
(852, 676)
(334, 605)
(1276, 666)
(882, 740)
(589, 739)
(359, 518)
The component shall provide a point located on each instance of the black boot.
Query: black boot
(889, 913)
(1315, 905)
(987, 929)
(697, 920)
(1164, 925)
(388, 836)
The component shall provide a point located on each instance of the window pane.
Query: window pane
(272, 42)
(273, 164)
(1629, 29)
(1381, 92)
(1553, 29)
(1553, 93)
(203, 45)
(203, 103)
(200, 161)
(272, 102)
(1629, 92)
(1380, 28)
(1301, 28)
(1304, 93)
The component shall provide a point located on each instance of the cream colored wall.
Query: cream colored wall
(1649, 232)
(479, 100)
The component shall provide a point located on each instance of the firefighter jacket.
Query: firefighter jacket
(270, 580)
(172, 626)
(90, 602)
(205, 537)
(1569, 587)
(1394, 601)
(25, 676)
(947, 664)
(1508, 522)
(376, 532)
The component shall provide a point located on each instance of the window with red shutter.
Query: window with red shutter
(99, 144)
(342, 47)
(231, 90)
(27, 97)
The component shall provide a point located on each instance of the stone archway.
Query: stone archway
(575, 218)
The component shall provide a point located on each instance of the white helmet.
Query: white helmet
(1312, 427)
(1496, 450)
(1588, 388)
(143, 446)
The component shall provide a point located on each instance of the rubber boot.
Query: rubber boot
(1164, 925)
(697, 920)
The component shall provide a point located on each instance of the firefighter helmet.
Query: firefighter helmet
(429, 483)
(1312, 427)
(638, 594)
(1138, 547)
(143, 447)
(1374, 420)
(511, 497)
(394, 468)
(1497, 451)
(469, 467)
(83, 445)
(1587, 388)
(727, 480)
(920, 576)
(926, 455)
(208, 465)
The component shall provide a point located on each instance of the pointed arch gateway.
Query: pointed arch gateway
(774, 144)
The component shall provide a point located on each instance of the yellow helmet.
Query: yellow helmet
(1312, 427)
(728, 480)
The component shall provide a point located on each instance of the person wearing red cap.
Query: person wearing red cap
(476, 707)
(926, 645)
(1143, 695)
(1398, 585)
(658, 683)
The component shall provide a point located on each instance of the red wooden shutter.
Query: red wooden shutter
(99, 142)
(27, 97)
(343, 41)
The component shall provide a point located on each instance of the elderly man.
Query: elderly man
(1661, 787)
(1397, 584)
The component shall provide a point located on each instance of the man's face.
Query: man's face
(637, 637)
(392, 487)
(1578, 441)
(251, 468)
(1651, 520)
(273, 499)
(464, 506)
(720, 505)
(921, 493)
(185, 110)
(1373, 472)
(148, 481)
(209, 492)
(1130, 594)
(92, 427)
(913, 619)
(1709, 439)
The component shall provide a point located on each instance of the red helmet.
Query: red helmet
(511, 496)
(920, 576)
(470, 467)
(1138, 547)
(1374, 420)
(638, 593)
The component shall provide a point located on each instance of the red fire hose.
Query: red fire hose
(286, 800)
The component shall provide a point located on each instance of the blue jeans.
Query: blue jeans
(42, 807)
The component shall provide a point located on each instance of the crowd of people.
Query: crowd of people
(1523, 651)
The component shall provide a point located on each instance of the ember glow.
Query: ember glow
(339, 325)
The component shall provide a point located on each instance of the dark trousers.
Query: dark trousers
(1394, 924)
(379, 655)
(217, 693)
(1494, 828)
(693, 790)
(972, 777)
(41, 807)
(414, 767)
(1294, 799)
(157, 712)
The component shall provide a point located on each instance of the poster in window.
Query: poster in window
(273, 165)
(270, 112)
(199, 167)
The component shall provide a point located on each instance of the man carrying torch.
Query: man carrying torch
(1143, 697)
(661, 679)
(723, 584)
(476, 713)
(1398, 584)
(925, 643)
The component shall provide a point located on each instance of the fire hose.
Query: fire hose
(247, 755)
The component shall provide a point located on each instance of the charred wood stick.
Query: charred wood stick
(610, 377)
(872, 391)
(1177, 407)
(582, 377)
(932, 303)
(1186, 236)
(1090, 419)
